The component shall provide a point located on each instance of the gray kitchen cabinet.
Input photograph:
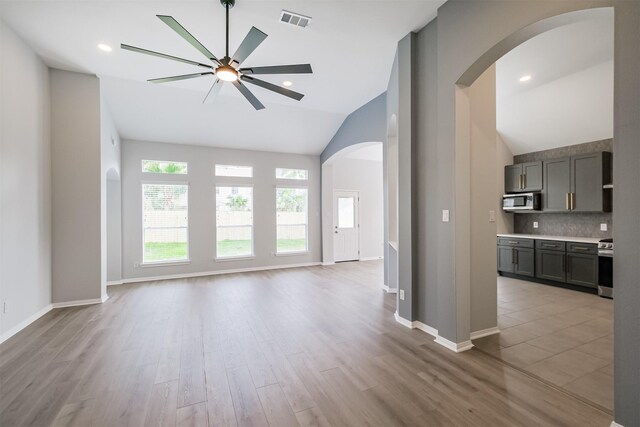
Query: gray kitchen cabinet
(506, 259)
(550, 265)
(589, 173)
(512, 179)
(523, 177)
(524, 262)
(582, 269)
(557, 185)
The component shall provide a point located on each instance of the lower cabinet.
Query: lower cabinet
(516, 260)
(550, 265)
(572, 263)
(582, 270)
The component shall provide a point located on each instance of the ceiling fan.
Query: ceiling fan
(227, 68)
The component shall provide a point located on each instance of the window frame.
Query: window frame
(284, 186)
(279, 178)
(164, 173)
(187, 260)
(232, 176)
(253, 242)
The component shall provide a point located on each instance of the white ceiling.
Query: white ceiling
(569, 99)
(350, 45)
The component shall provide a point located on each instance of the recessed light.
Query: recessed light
(104, 47)
(287, 83)
(525, 78)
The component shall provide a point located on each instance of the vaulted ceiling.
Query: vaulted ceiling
(350, 44)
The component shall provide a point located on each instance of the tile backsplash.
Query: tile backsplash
(565, 224)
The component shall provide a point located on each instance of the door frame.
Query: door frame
(356, 217)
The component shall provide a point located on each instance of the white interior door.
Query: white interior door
(346, 244)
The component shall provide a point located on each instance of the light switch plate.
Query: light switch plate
(492, 216)
(535, 224)
(603, 227)
(445, 215)
(402, 294)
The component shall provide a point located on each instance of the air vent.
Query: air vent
(296, 19)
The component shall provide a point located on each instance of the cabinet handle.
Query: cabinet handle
(580, 248)
(513, 242)
(573, 201)
(516, 253)
(524, 181)
(567, 202)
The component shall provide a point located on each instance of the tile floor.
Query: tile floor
(561, 336)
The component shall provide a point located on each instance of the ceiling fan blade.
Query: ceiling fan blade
(215, 88)
(176, 78)
(275, 88)
(162, 55)
(182, 32)
(247, 94)
(248, 45)
(279, 69)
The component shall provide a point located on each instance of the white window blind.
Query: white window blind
(292, 219)
(165, 222)
(234, 221)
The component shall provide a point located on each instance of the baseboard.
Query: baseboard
(484, 333)
(615, 424)
(371, 258)
(79, 302)
(115, 283)
(328, 263)
(416, 325)
(26, 322)
(389, 290)
(217, 272)
(457, 347)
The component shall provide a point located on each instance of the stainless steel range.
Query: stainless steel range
(605, 268)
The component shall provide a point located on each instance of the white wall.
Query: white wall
(364, 176)
(77, 217)
(25, 189)
(201, 161)
(111, 213)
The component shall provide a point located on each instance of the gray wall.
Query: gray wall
(390, 266)
(471, 36)
(366, 124)
(565, 224)
(202, 183)
(76, 177)
(25, 186)
(626, 211)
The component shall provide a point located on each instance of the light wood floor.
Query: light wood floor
(312, 347)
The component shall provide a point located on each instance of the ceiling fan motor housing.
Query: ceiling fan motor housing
(228, 3)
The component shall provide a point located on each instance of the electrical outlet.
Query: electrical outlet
(535, 224)
(492, 216)
(603, 227)
(402, 294)
(445, 215)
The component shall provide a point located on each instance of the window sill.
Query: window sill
(292, 253)
(164, 263)
(235, 258)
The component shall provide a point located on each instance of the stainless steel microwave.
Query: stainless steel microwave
(521, 202)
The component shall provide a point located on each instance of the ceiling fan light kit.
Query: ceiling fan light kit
(227, 68)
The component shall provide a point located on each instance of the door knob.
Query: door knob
(336, 231)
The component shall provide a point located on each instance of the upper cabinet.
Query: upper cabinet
(523, 177)
(575, 184)
(571, 184)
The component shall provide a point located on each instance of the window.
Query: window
(234, 222)
(291, 211)
(234, 171)
(283, 173)
(156, 166)
(165, 222)
(346, 212)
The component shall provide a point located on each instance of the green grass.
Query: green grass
(233, 248)
(164, 251)
(292, 245)
(170, 251)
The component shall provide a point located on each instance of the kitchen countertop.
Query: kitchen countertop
(593, 240)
